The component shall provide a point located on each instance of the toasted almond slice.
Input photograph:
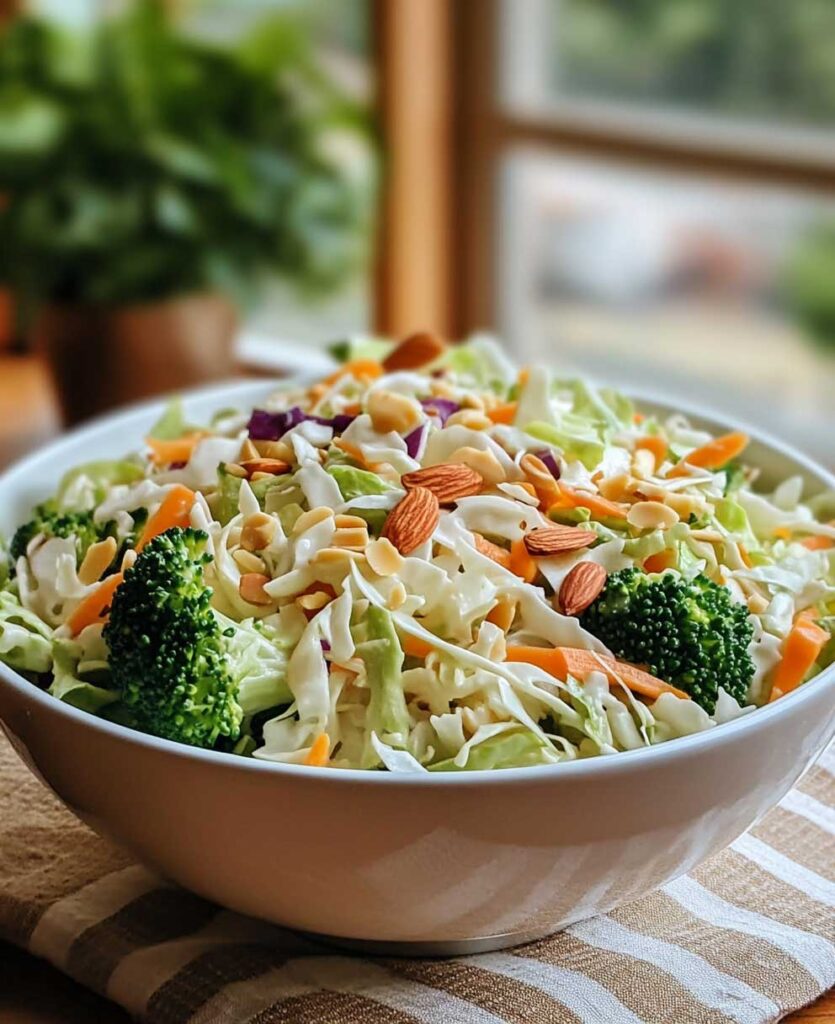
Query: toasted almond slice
(251, 588)
(492, 551)
(354, 537)
(313, 602)
(383, 557)
(233, 469)
(412, 521)
(541, 479)
(484, 462)
(96, 560)
(651, 515)
(247, 561)
(473, 419)
(397, 597)
(414, 352)
(581, 586)
(265, 467)
(311, 518)
(391, 411)
(128, 559)
(557, 539)
(248, 451)
(348, 522)
(274, 450)
(336, 557)
(257, 531)
(448, 482)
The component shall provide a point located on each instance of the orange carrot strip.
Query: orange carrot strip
(638, 417)
(659, 562)
(595, 503)
(179, 450)
(174, 511)
(713, 455)
(319, 752)
(564, 661)
(95, 605)
(522, 377)
(350, 449)
(521, 562)
(503, 413)
(415, 646)
(816, 542)
(746, 558)
(656, 445)
(358, 368)
(800, 652)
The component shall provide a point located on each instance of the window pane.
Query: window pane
(761, 60)
(704, 289)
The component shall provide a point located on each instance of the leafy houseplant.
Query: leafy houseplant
(144, 174)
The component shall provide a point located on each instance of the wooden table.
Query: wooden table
(32, 992)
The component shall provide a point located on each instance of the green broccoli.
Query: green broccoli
(50, 521)
(185, 671)
(687, 632)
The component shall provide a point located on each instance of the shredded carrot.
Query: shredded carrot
(502, 613)
(358, 368)
(180, 450)
(354, 409)
(522, 564)
(564, 661)
(713, 455)
(638, 417)
(319, 752)
(595, 503)
(665, 559)
(522, 377)
(800, 652)
(503, 413)
(174, 511)
(655, 444)
(416, 647)
(95, 605)
(816, 542)
(746, 558)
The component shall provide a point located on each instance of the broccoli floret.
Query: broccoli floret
(185, 671)
(50, 521)
(687, 632)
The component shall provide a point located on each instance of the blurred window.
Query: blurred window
(660, 200)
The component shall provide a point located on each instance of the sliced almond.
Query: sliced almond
(414, 352)
(541, 479)
(557, 539)
(495, 553)
(483, 461)
(336, 557)
(274, 450)
(651, 515)
(248, 451)
(233, 469)
(397, 597)
(96, 560)
(128, 559)
(391, 411)
(447, 482)
(251, 588)
(265, 467)
(383, 557)
(472, 419)
(311, 518)
(247, 561)
(354, 537)
(412, 521)
(347, 522)
(581, 586)
(257, 531)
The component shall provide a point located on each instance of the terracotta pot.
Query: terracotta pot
(106, 356)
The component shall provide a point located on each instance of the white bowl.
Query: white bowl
(426, 863)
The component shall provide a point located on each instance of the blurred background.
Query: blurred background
(642, 190)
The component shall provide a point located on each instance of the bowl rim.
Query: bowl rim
(591, 767)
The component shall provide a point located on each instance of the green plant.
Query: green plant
(138, 163)
(810, 283)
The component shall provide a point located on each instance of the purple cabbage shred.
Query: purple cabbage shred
(443, 408)
(548, 458)
(414, 441)
(270, 426)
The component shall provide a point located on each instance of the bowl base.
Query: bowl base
(445, 948)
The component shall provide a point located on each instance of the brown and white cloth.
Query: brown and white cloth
(747, 937)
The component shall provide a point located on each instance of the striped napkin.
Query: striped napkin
(748, 937)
